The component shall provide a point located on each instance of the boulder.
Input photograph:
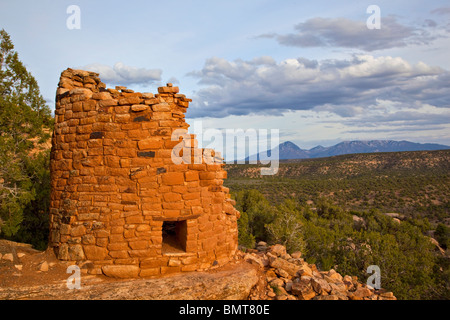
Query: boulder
(282, 264)
(252, 258)
(282, 273)
(277, 250)
(360, 294)
(305, 270)
(303, 290)
(334, 275)
(320, 286)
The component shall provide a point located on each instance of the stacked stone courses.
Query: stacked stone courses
(120, 206)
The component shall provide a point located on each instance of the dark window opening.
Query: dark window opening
(174, 235)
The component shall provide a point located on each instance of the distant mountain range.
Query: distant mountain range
(289, 150)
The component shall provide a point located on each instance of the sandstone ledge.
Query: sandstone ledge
(233, 281)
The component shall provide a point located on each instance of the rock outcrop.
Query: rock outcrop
(268, 273)
(29, 274)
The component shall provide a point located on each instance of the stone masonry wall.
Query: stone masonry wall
(115, 186)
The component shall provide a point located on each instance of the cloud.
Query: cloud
(121, 74)
(346, 33)
(388, 116)
(347, 87)
(441, 11)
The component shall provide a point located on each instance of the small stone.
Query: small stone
(282, 264)
(282, 273)
(304, 270)
(270, 275)
(334, 275)
(320, 286)
(253, 260)
(43, 266)
(296, 255)
(387, 295)
(8, 256)
(330, 297)
(359, 294)
(286, 256)
(277, 282)
(21, 255)
(303, 290)
(18, 267)
(277, 250)
(288, 286)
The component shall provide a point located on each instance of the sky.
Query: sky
(314, 70)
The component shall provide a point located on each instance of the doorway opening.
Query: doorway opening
(174, 236)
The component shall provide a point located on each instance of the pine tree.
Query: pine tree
(25, 120)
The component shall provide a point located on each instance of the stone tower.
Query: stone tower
(119, 204)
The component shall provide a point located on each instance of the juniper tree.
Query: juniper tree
(25, 120)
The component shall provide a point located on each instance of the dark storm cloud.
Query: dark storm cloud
(344, 87)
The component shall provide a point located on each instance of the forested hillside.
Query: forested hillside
(414, 184)
(349, 212)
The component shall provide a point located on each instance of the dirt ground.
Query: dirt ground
(23, 279)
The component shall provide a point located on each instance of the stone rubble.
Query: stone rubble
(289, 277)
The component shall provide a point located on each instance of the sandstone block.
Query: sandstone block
(149, 272)
(101, 96)
(121, 271)
(173, 178)
(93, 252)
(139, 107)
(150, 143)
(129, 100)
(161, 107)
(76, 252)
